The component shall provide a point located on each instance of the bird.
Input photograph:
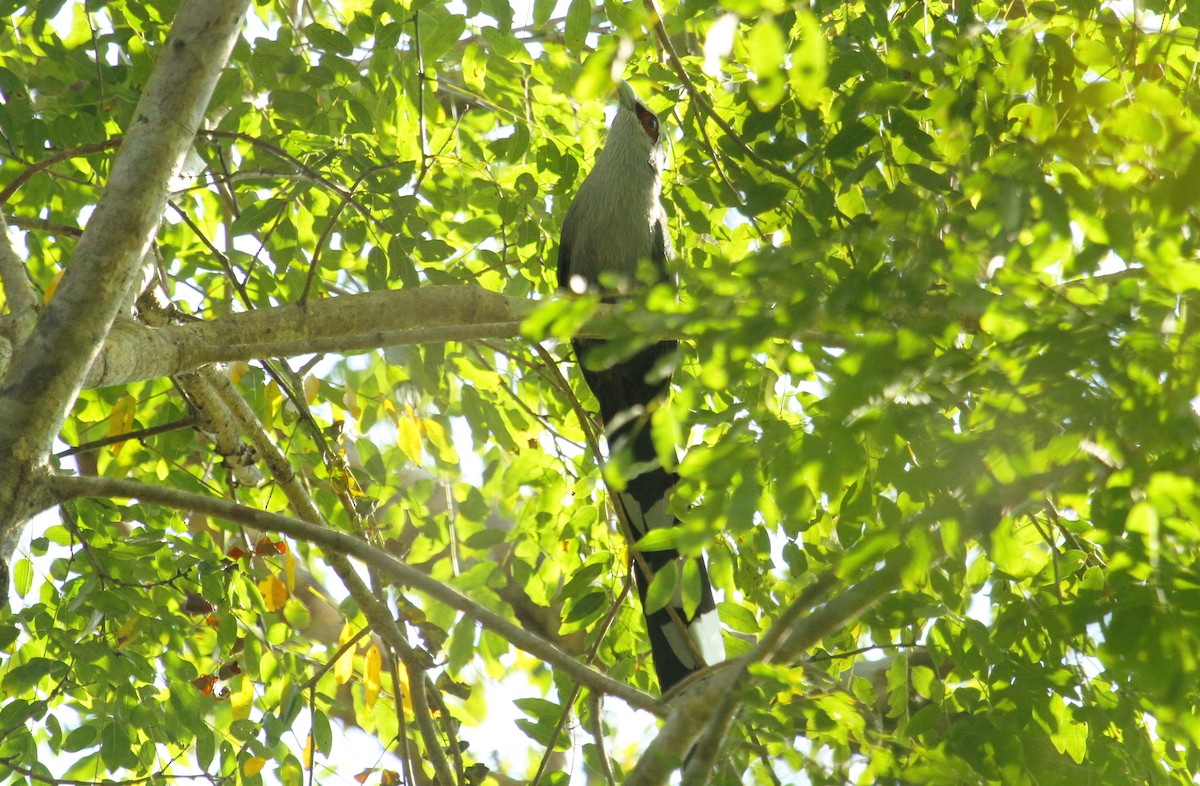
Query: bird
(615, 223)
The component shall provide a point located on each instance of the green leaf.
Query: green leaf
(322, 732)
(502, 12)
(927, 178)
(474, 66)
(21, 678)
(766, 48)
(328, 40)
(542, 10)
(15, 712)
(809, 65)
(1070, 737)
(738, 617)
(659, 539)
(80, 738)
(720, 569)
(579, 20)
(116, 749)
(851, 136)
(22, 576)
(447, 29)
(586, 607)
(1019, 549)
(662, 588)
(294, 104)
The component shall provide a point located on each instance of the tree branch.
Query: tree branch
(706, 108)
(66, 488)
(49, 369)
(347, 324)
(698, 724)
(383, 623)
(51, 160)
(220, 392)
(18, 290)
(213, 418)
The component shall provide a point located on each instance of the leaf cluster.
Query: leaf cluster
(937, 264)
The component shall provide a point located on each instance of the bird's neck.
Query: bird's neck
(628, 169)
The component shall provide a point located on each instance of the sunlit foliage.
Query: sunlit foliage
(937, 263)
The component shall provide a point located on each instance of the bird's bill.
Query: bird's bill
(625, 95)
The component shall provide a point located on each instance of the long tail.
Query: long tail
(625, 392)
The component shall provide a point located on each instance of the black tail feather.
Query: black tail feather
(626, 392)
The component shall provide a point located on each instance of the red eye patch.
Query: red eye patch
(649, 122)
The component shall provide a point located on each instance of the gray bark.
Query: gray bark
(347, 324)
(49, 368)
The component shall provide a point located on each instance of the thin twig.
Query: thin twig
(315, 264)
(597, 732)
(448, 722)
(707, 109)
(570, 702)
(226, 265)
(283, 155)
(334, 542)
(333, 659)
(406, 758)
(382, 621)
(51, 160)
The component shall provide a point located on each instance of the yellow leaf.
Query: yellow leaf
(241, 698)
(409, 437)
(436, 434)
(341, 478)
(312, 386)
(307, 756)
(237, 370)
(343, 670)
(274, 592)
(337, 478)
(126, 630)
(253, 766)
(53, 286)
(289, 571)
(120, 420)
(273, 398)
(403, 687)
(371, 676)
(350, 402)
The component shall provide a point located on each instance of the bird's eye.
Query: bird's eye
(649, 122)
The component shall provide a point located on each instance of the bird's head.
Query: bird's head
(636, 130)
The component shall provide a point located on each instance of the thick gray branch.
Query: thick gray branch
(18, 291)
(347, 324)
(351, 323)
(48, 371)
(213, 418)
(20, 297)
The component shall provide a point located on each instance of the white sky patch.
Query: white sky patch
(719, 44)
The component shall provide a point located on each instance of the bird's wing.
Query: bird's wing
(564, 263)
(662, 251)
